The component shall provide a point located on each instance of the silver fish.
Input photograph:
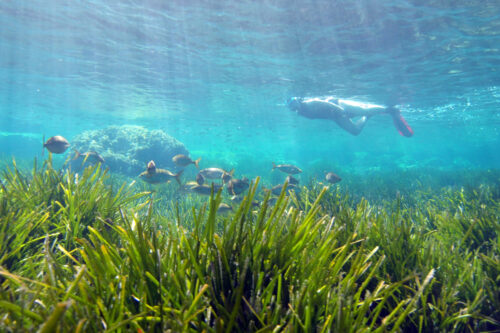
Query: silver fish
(90, 156)
(332, 178)
(205, 189)
(224, 208)
(238, 199)
(183, 161)
(292, 180)
(160, 176)
(200, 179)
(272, 201)
(287, 168)
(186, 187)
(56, 144)
(151, 167)
(276, 190)
(237, 186)
(216, 173)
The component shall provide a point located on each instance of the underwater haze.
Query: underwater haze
(215, 75)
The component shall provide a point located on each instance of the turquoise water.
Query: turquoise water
(216, 74)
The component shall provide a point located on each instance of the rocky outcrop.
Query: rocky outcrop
(127, 149)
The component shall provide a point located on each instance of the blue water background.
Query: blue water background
(215, 75)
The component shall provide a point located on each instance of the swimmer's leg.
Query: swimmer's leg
(366, 112)
(354, 109)
(354, 128)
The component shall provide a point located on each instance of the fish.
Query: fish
(272, 201)
(205, 189)
(216, 173)
(237, 186)
(200, 179)
(292, 180)
(90, 156)
(160, 176)
(186, 187)
(183, 161)
(276, 190)
(238, 199)
(226, 177)
(332, 178)
(151, 167)
(224, 208)
(56, 144)
(287, 168)
(190, 184)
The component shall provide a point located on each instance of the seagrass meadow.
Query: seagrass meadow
(95, 252)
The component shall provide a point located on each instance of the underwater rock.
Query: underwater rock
(128, 149)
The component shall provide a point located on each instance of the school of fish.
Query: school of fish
(207, 181)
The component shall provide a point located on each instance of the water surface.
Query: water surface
(215, 75)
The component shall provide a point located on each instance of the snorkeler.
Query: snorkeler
(342, 111)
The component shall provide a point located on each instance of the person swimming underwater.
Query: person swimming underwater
(343, 111)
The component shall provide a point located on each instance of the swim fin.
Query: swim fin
(400, 123)
(402, 126)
